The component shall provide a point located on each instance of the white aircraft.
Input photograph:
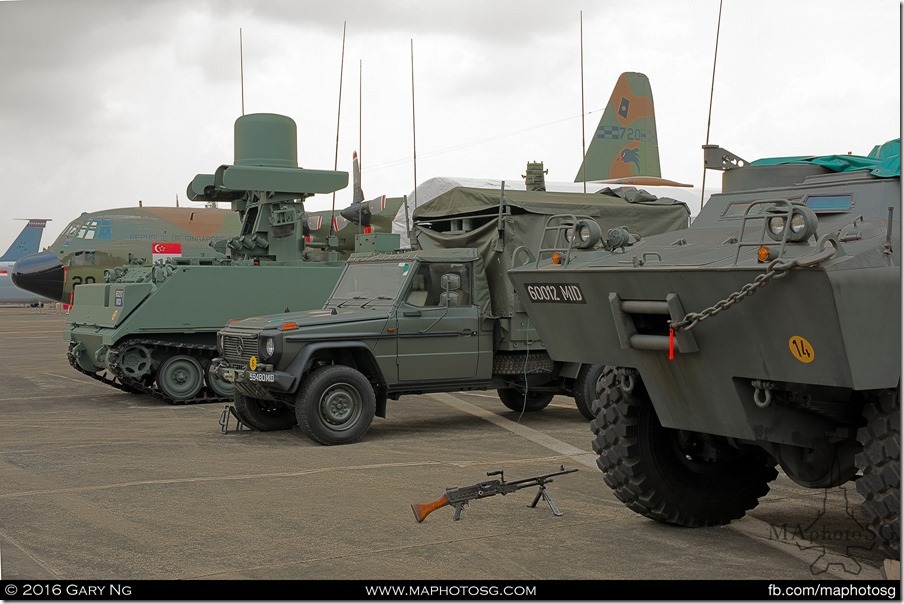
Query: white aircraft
(28, 242)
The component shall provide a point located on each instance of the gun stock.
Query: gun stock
(422, 509)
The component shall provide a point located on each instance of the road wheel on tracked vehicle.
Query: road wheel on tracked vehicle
(136, 362)
(263, 414)
(587, 388)
(336, 405)
(180, 378)
(657, 471)
(515, 400)
(880, 466)
(219, 387)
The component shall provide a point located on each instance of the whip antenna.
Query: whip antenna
(338, 113)
(413, 136)
(360, 111)
(583, 139)
(242, 70)
(709, 116)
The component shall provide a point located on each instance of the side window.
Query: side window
(428, 286)
(458, 279)
(418, 294)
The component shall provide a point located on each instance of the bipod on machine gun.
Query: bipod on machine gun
(460, 496)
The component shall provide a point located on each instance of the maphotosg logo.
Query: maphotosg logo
(835, 539)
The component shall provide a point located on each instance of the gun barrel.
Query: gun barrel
(422, 509)
(540, 479)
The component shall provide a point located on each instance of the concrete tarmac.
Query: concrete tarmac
(98, 483)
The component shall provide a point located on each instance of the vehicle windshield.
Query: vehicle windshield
(370, 283)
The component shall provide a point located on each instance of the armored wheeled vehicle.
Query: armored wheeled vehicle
(767, 333)
(151, 328)
(441, 317)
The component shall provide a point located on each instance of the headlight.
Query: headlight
(584, 234)
(268, 348)
(801, 227)
(798, 223)
(777, 226)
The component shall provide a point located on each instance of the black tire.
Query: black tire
(514, 399)
(588, 387)
(336, 405)
(880, 467)
(262, 414)
(180, 378)
(649, 469)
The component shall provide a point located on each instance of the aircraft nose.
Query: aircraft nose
(40, 274)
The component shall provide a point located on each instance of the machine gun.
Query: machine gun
(460, 496)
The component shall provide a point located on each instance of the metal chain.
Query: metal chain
(827, 248)
(776, 269)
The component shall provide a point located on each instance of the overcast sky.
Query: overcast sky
(107, 102)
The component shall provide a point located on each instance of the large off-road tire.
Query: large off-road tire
(336, 405)
(587, 388)
(655, 472)
(262, 414)
(180, 378)
(515, 400)
(880, 467)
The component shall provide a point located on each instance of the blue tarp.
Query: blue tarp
(884, 160)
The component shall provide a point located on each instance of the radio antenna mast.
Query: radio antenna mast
(583, 139)
(413, 136)
(242, 70)
(709, 116)
(338, 113)
(360, 111)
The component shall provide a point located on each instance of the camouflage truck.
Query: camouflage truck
(441, 317)
(151, 328)
(767, 333)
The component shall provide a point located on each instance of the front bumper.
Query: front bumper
(257, 384)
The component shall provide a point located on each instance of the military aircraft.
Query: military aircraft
(625, 147)
(28, 242)
(360, 217)
(97, 242)
(624, 152)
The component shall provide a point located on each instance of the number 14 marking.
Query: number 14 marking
(801, 349)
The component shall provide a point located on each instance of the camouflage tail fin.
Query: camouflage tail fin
(625, 142)
(28, 241)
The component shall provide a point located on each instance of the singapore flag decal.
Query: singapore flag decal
(162, 251)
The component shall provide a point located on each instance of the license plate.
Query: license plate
(260, 376)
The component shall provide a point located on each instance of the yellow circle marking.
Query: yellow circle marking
(801, 349)
(252, 363)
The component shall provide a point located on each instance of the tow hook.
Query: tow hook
(762, 393)
(624, 377)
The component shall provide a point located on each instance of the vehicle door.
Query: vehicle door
(437, 324)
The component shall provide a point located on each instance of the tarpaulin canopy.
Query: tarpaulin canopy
(883, 161)
(466, 217)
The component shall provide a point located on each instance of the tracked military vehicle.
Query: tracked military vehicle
(151, 328)
(767, 333)
(439, 318)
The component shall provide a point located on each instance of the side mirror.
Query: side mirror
(449, 298)
(450, 281)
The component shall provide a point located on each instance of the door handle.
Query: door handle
(466, 332)
(411, 313)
